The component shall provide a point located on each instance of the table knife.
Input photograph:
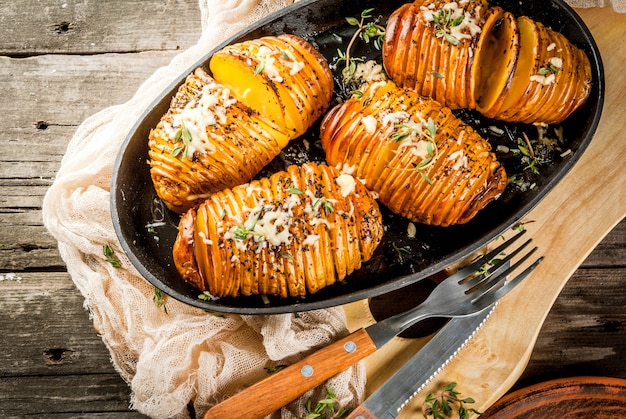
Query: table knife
(387, 401)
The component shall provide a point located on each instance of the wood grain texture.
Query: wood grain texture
(53, 362)
(33, 27)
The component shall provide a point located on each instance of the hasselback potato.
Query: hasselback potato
(289, 234)
(208, 141)
(222, 129)
(470, 55)
(283, 77)
(423, 162)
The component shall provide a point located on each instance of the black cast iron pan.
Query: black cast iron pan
(147, 230)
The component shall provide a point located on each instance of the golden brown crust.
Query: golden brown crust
(291, 234)
(235, 149)
(487, 69)
(438, 172)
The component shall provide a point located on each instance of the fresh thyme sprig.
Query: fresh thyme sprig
(325, 408)
(110, 257)
(444, 23)
(548, 69)
(324, 203)
(525, 150)
(184, 135)
(442, 405)
(259, 68)
(242, 232)
(275, 368)
(403, 131)
(159, 299)
(294, 191)
(369, 30)
(401, 251)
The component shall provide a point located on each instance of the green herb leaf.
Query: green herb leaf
(284, 55)
(159, 299)
(457, 21)
(275, 369)
(352, 21)
(259, 68)
(431, 127)
(293, 190)
(366, 14)
(325, 204)
(425, 177)
(110, 257)
(451, 39)
(177, 150)
(442, 405)
(205, 296)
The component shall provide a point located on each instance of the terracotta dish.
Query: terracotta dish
(576, 397)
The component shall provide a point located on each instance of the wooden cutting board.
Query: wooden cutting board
(566, 226)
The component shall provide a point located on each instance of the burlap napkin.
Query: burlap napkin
(184, 355)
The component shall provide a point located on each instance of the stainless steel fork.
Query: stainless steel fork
(469, 291)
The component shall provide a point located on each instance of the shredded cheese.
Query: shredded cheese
(208, 109)
(369, 122)
(346, 183)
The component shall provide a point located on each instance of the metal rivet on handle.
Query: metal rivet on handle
(349, 346)
(307, 371)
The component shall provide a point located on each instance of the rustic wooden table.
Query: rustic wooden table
(63, 61)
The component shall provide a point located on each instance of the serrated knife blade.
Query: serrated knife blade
(393, 395)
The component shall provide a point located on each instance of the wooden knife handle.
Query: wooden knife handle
(361, 412)
(275, 391)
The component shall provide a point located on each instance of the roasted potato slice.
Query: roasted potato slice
(423, 162)
(398, 38)
(208, 141)
(529, 49)
(559, 82)
(290, 234)
(496, 56)
(282, 77)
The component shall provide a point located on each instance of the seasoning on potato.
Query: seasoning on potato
(467, 54)
(290, 234)
(423, 162)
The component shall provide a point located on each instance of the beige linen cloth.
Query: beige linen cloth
(184, 355)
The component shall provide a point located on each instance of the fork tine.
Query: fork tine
(494, 294)
(493, 275)
(473, 267)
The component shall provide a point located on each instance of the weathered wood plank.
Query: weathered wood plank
(67, 396)
(584, 332)
(37, 128)
(32, 27)
(45, 328)
(51, 95)
(611, 251)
